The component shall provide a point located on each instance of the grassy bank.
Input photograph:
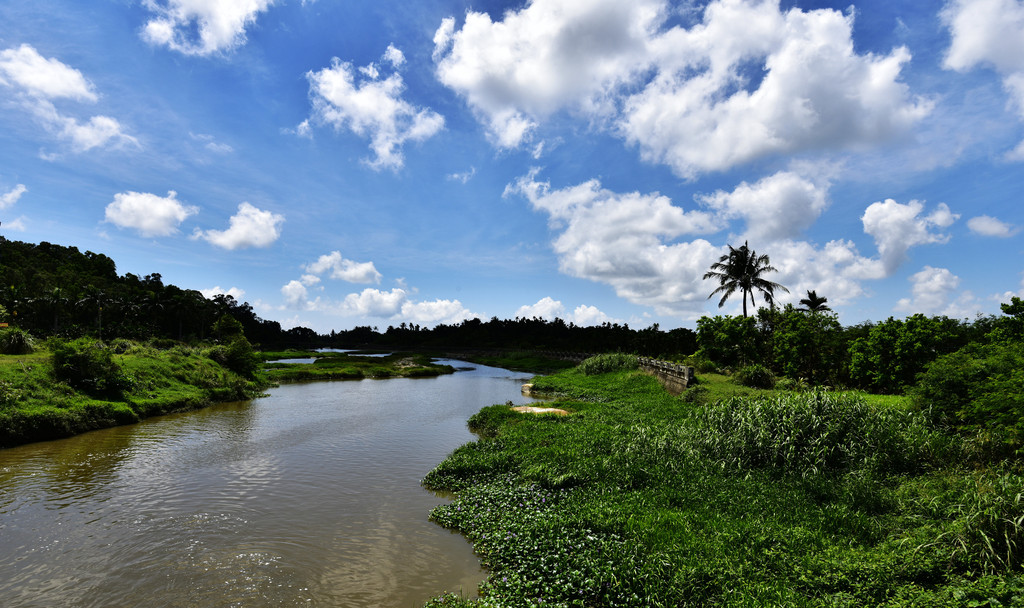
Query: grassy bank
(345, 366)
(137, 382)
(761, 498)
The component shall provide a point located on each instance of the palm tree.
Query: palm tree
(814, 303)
(742, 269)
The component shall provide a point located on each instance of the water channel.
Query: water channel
(308, 497)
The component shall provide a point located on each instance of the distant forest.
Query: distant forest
(53, 290)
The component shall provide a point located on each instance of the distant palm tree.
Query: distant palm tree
(742, 269)
(814, 303)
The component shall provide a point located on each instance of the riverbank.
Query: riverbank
(121, 384)
(125, 382)
(768, 498)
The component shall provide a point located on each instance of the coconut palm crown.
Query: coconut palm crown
(742, 269)
(814, 303)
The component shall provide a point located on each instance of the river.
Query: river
(308, 497)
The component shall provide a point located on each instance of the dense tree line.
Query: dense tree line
(52, 290)
(883, 357)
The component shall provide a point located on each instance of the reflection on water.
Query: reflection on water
(308, 497)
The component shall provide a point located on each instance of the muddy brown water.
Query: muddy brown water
(308, 497)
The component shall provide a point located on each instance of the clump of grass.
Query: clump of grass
(16, 341)
(755, 376)
(810, 433)
(607, 363)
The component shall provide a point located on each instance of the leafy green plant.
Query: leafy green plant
(756, 376)
(15, 341)
(89, 366)
(607, 363)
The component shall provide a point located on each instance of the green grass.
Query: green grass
(745, 498)
(34, 406)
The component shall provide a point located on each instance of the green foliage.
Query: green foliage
(978, 388)
(755, 376)
(227, 328)
(805, 344)
(15, 341)
(611, 362)
(809, 499)
(88, 365)
(895, 351)
(727, 340)
(814, 432)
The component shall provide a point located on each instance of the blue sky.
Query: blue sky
(370, 163)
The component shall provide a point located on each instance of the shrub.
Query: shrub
(15, 341)
(756, 376)
(812, 433)
(89, 366)
(607, 363)
(976, 389)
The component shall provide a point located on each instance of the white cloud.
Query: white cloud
(546, 308)
(549, 55)
(626, 241)
(345, 270)
(43, 78)
(777, 207)
(250, 227)
(38, 81)
(936, 292)
(748, 81)
(897, 227)
(635, 243)
(8, 199)
(18, 224)
(234, 292)
(372, 107)
(588, 316)
(449, 312)
(297, 296)
(374, 303)
(201, 27)
(149, 214)
(989, 226)
(989, 33)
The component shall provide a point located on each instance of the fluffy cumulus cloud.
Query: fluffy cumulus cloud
(936, 291)
(234, 292)
(546, 308)
(627, 241)
(986, 225)
(777, 207)
(36, 82)
(644, 247)
(550, 309)
(200, 27)
(149, 214)
(433, 312)
(370, 105)
(749, 80)
(339, 268)
(250, 227)
(549, 55)
(989, 33)
(897, 227)
(9, 198)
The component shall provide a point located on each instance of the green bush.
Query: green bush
(756, 376)
(808, 433)
(15, 341)
(977, 389)
(89, 366)
(607, 363)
